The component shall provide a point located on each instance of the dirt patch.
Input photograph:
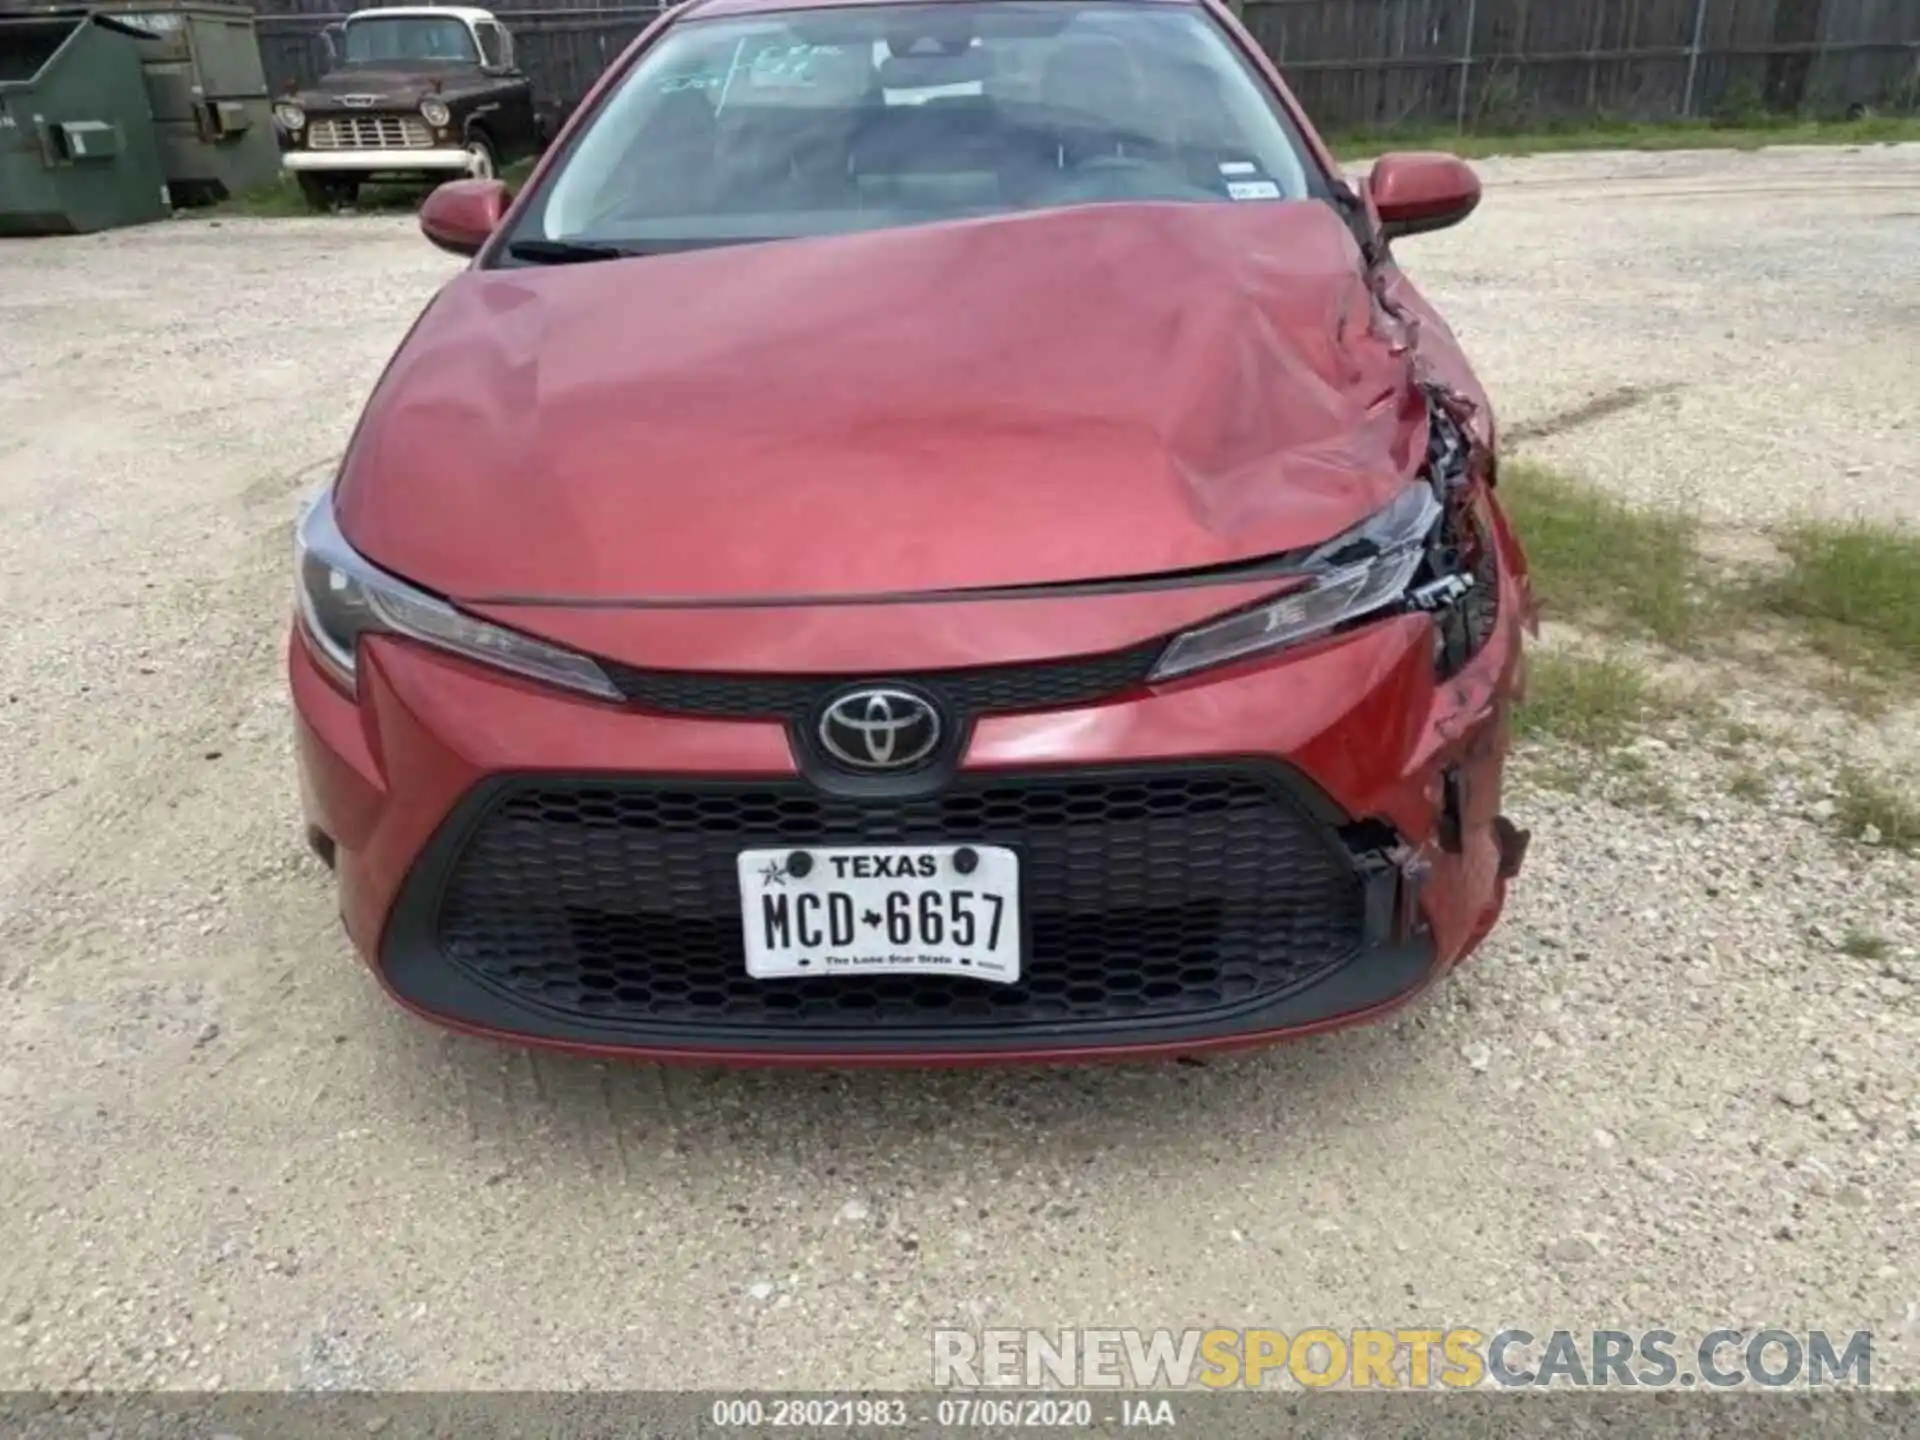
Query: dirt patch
(1587, 412)
(231, 1162)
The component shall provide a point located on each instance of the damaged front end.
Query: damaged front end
(1460, 586)
(1444, 815)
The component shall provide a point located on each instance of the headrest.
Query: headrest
(921, 71)
(1093, 75)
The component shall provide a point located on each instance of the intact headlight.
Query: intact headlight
(1349, 577)
(435, 112)
(291, 117)
(342, 596)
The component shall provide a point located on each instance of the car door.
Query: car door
(513, 126)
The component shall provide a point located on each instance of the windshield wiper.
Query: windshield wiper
(574, 252)
(564, 252)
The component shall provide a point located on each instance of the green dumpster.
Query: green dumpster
(77, 148)
(211, 108)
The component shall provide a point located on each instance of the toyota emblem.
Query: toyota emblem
(880, 729)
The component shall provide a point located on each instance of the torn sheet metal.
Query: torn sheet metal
(1087, 394)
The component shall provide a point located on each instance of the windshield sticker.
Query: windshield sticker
(1238, 167)
(1253, 190)
(776, 66)
(787, 65)
(710, 80)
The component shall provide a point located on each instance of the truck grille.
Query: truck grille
(1148, 894)
(370, 132)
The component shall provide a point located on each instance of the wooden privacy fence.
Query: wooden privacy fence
(1360, 64)
(1502, 63)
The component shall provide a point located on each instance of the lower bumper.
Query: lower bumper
(1164, 907)
(1365, 989)
(450, 161)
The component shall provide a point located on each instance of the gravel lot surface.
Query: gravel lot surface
(1663, 1095)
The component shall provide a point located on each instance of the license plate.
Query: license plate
(882, 910)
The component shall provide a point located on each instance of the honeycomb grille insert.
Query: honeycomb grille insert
(1146, 896)
(1049, 685)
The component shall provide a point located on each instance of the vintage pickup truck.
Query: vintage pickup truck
(413, 92)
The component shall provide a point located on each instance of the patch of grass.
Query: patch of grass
(1567, 772)
(1852, 683)
(1602, 562)
(1595, 706)
(1863, 944)
(277, 198)
(281, 197)
(391, 199)
(1870, 806)
(1646, 792)
(1594, 701)
(1728, 738)
(1855, 586)
(1742, 132)
(1748, 785)
(1850, 590)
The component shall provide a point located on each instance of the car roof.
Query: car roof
(468, 13)
(703, 8)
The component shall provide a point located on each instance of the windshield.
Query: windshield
(818, 122)
(370, 42)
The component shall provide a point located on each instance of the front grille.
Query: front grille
(987, 689)
(370, 132)
(1155, 894)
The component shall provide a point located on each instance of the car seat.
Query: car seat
(670, 168)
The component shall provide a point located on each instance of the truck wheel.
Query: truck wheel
(329, 192)
(482, 163)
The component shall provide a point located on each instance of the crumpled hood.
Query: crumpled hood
(1075, 395)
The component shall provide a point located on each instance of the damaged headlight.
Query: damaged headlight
(343, 596)
(1348, 578)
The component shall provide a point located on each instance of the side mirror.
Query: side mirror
(1417, 193)
(461, 214)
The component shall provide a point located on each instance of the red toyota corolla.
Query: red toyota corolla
(928, 532)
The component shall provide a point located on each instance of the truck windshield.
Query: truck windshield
(407, 37)
(819, 121)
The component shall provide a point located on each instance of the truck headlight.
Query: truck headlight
(1348, 578)
(435, 112)
(291, 117)
(342, 596)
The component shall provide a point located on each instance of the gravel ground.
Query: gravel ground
(1663, 1095)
